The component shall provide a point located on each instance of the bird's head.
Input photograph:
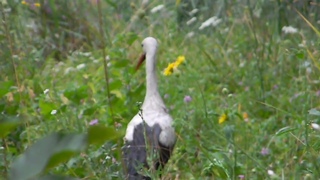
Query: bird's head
(149, 46)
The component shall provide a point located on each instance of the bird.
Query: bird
(151, 131)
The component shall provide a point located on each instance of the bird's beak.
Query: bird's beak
(141, 59)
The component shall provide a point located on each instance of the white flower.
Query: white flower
(213, 21)
(157, 8)
(190, 34)
(194, 11)
(46, 91)
(271, 173)
(289, 30)
(81, 66)
(315, 126)
(69, 69)
(108, 157)
(192, 20)
(87, 54)
(53, 112)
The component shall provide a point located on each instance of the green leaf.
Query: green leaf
(77, 94)
(99, 134)
(314, 112)
(46, 153)
(284, 130)
(131, 38)
(300, 55)
(89, 111)
(5, 87)
(121, 63)
(46, 107)
(6, 126)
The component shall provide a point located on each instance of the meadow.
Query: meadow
(245, 102)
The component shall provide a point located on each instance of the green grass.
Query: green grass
(270, 75)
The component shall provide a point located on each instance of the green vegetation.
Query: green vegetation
(245, 100)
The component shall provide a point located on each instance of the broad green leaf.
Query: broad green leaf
(46, 153)
(117, 93)
(46, 107)
(300, 55)
(6, 126)
(89, 111)
(5, 87)
(117, 84)
(121, 63)
(284, 130)
(314, 112)
(99, 134)
(131, 38)
(76, 94)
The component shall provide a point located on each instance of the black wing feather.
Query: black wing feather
(135, 151)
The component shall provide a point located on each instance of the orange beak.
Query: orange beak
(141, 59)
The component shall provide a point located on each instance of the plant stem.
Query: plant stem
(106, 73)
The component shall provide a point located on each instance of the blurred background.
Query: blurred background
(245, 101)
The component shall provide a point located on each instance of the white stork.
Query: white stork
(151, 129)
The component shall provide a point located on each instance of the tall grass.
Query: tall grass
(263, 80)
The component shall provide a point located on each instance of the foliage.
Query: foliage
(245, 99)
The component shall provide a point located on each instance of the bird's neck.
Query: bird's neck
(151, 77)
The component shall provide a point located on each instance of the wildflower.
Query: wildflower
(172, 66)
(166, 96)
(193, 12)
(192, 20)
(27, 3)
(157, 8)
(315, 126)
(213, 21)
(223, 118)
(46, 91)
(264, 151)
(81, 66)
(190, 34)
(225, 91)
(245, 116)
(68, 70)
(187, 99)
(241, 176)
(271, 173)
(93, 122)
(169, 70)
(53, 112)
(318, 93)
(289, 30)
(180, 60)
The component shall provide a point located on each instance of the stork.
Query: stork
(151, 129)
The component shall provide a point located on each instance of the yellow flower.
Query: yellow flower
(24, 2)
(180, 60)
(223, 118)
(169, 70)
(245, 115)
(173, 66)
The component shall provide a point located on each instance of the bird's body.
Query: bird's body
(150, 132)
